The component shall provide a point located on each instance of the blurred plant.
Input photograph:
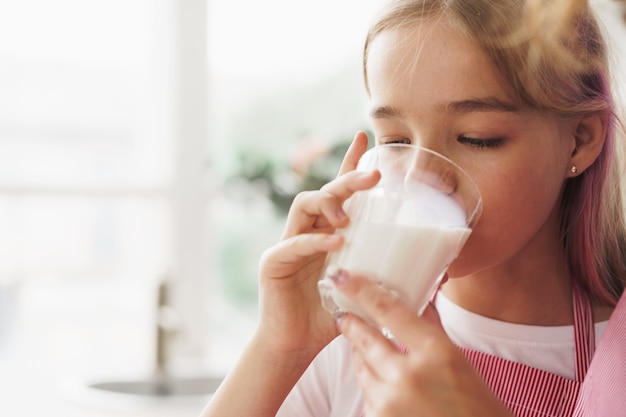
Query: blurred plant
(260, 191)
(281, 180)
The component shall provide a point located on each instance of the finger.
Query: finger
(367, 380)
(324, 208)
(288, 252)
(375, 351)
(385, 307)
(343, 187)
(355, 151)
(308, 208)
(341, 191)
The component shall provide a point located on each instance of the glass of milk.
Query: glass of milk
(404, 232)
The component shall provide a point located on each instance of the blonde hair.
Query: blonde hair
(554, 58)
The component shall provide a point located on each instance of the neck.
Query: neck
(534, 288)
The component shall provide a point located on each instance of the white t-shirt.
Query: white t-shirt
(329, 388)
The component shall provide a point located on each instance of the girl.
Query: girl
(517, 94)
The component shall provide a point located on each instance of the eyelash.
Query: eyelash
(473, 142)
(481, 143)
(395, 141)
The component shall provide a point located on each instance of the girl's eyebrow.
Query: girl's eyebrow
(386, 112)
(480, 105)
(487, 104)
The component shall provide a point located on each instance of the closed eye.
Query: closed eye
(388, 141)
(481, 143)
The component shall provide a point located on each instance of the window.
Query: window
(130, 131)
(99, 179)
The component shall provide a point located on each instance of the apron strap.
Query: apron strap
(584, 331)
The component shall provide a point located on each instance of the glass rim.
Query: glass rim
(476, 213)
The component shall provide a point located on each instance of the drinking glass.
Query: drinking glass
(405, 231)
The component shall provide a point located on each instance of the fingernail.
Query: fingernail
(336, 274)
(341, 214)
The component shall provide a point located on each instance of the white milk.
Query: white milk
(405, 245)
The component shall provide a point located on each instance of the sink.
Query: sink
(191, 392)
(159, 389)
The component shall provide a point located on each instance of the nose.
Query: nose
(432, 169)
(432, 141)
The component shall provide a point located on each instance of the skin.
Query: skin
(450, 99)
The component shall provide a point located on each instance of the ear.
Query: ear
(589, 135)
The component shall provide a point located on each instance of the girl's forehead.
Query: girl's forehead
(431, 58)
(420, 40)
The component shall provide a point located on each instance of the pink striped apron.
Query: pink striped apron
(531, 392)
(604, 390)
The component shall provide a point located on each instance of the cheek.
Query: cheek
(514, 210)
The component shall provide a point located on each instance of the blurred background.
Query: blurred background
(149, 151)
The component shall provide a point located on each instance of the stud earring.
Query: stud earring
(574, 169)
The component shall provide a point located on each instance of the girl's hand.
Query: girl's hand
(428, 376)
(292, 318)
